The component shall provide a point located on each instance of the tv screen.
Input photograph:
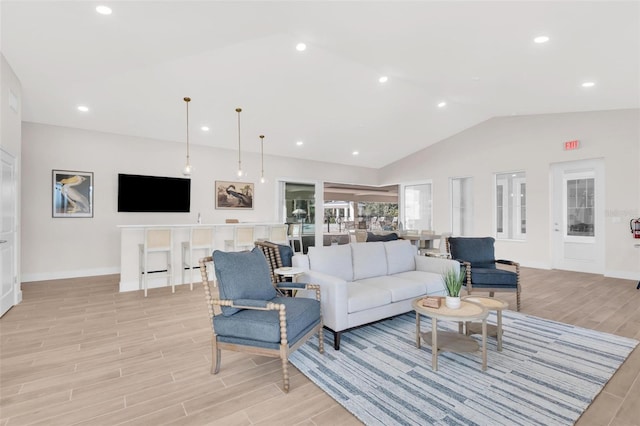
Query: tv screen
(138, 193)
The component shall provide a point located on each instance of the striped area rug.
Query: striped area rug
(547, 373)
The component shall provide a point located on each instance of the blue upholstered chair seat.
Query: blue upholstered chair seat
(492, 277)
(262, 328)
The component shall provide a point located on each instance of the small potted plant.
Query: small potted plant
(453, 280)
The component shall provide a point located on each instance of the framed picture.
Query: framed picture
(72, 194)
(234, 195)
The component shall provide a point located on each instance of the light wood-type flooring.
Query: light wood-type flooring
(76, 351)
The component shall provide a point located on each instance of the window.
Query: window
(511, 206)
(299, 205)
(580, 193)
(461, 206)
(417, 206)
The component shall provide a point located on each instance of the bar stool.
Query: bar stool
(156, 240)
(243, 238)
(295, 234)
(278, 234)
(200, 239)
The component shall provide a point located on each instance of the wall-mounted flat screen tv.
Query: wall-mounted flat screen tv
(139, 193)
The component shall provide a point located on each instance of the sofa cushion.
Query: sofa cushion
(400, 256)
(387, 237)
(432, 282)
(362, 297)
(369, 260)
(399, 288)
(243, 275)
(332, 260)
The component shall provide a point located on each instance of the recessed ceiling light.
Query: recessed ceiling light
(588, 84)
(204, 128)
(300, 47)
(383, 79)
(355, 153)
(442, 104)
(299, 143)
(83, 108)
(541, 39)
(104, 10)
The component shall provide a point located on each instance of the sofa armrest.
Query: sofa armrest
(435, 264)
(334, 296)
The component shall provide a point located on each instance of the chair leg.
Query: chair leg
(321, 340)
(285, 374)
(215, 356)
(170, 273)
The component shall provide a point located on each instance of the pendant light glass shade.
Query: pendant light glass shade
(187, 168)
(239, 110)
(262, 179)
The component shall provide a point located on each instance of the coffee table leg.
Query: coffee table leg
(434, 344)
(499, 329)
(417, 330)
(484, 344)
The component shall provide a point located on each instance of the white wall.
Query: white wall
(60, 248)
(531, 144)
(71, 247)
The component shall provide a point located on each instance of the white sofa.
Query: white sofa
(366, 282)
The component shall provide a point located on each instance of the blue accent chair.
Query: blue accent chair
(251, 314)
(477, 255)
(278, 256)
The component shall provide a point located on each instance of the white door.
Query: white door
(577, 232)
(8, 196)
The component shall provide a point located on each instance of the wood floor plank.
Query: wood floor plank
(77, 351)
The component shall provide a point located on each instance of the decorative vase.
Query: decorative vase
(452, 302)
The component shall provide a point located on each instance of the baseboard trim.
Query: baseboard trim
(47, 276)
(625, 275)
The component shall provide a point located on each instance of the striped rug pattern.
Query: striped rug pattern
(547, 373)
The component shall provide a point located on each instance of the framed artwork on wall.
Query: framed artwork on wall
(234, 195)
(72, 193)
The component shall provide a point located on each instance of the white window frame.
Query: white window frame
(511, 184)
(424, 209)
(461, 206)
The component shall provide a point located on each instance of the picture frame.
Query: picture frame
(234, 195)
(72, 193)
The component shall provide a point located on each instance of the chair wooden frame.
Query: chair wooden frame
(272, 253)
(284, 349)
(491, 290)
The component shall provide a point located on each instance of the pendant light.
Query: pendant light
(262, 179)
(239, 110)
(187, 168)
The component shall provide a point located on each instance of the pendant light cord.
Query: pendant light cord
(262, 156)
(187, 100)
(238, 110)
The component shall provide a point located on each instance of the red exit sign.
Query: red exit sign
(569, 145)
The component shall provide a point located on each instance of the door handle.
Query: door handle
(557, 230)
(3, 241)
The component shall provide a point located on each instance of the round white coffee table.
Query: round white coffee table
(450, 341)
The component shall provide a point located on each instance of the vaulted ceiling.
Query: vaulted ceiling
(133, 67)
